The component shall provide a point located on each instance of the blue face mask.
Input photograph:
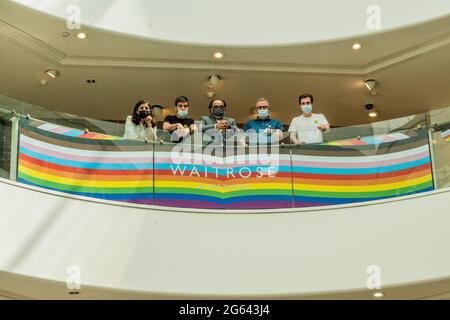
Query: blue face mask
(307, 108)
(183, 113)
(263, 113)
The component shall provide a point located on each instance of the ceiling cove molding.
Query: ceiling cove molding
(6, 295)
(29, 42)
(378, 65)
(206, 65)
(365, 70)
(407, 54)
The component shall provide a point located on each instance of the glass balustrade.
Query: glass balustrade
(439, 123)
(89, 158)
(9, 119)
(5, 144)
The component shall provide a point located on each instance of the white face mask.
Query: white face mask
(307, 108)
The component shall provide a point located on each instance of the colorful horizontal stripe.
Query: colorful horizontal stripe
(111, 175)
(400, 168)
(60, 159)
(82, 134)
(446, 135)
(62, 130)
(381, 138)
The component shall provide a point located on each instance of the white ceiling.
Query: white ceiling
(411, 66)
(250, 22)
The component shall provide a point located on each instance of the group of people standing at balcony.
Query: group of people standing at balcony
(305, 128)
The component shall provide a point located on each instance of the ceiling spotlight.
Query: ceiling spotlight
(372, 113)
(91, 81)
(378, 294)
(219, 55)
(356, 46)
(214, 79)
(52, 73)
(81, 35)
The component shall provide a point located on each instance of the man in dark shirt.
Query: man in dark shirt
(179, 125)
(264, 127)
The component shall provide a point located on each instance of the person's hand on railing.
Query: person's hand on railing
(184, 131)
(223, 124)
(322, 127)
(193, 128)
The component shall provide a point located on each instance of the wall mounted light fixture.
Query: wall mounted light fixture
(52, 73)
(370, 85)
(214, 79)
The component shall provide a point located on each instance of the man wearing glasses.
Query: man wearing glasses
(217, 120)
(264, 127)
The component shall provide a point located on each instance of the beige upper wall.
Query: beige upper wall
(410, 65)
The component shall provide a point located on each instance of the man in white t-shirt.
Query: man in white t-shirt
(308, 127)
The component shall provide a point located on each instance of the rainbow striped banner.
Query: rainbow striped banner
(363, 141)
(326, 175)
(146, 173)
(446, 135)
(66, 131)
(246, 181)
(111, 170)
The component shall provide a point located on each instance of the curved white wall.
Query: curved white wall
(250, 22)
(272, 255)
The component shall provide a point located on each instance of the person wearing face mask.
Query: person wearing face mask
(309, 126)
(217, 119)
(264, 126)
(179, 125)
(141, 125)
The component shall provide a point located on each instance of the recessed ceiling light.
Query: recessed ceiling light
(378, 294)
(91, 81)
(356, 46)
(52, 73)
(219, 55)
(371, 111)
(81, 35)
(373, 114)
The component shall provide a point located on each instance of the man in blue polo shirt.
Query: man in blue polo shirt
(263, 126)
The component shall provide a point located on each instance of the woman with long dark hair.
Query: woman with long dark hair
(141, 125)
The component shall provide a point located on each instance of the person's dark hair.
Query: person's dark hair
(181, 99)
(136, 119)
(211, 103)
(304, 96)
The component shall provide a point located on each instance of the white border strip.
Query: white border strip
(220, 211)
